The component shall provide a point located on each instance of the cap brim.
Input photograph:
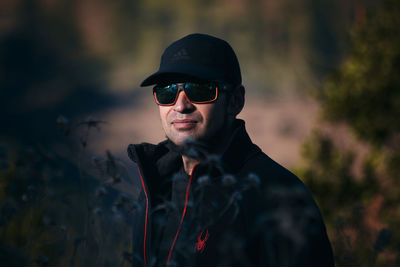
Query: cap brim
(177, 73)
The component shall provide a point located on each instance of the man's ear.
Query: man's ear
(236, 101)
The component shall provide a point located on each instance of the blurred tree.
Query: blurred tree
(283, 45)
(360, 201)
(365, 91)
(45, 71)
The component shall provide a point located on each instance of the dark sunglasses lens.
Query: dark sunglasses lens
(200, 92)
(165, 94)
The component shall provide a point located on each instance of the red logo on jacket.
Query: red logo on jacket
(201, 241)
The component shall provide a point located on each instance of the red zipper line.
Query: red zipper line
(183, 215)
(145, 220)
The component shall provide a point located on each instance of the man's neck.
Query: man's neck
(188, 164)
(217, 147)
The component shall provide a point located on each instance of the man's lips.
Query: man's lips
(184, 124)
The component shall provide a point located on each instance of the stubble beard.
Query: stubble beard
(214, 143)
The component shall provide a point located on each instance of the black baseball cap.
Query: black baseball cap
(197, 56)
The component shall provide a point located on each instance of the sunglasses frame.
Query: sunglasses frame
(181, 87)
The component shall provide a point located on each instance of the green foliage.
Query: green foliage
(339, 187)
(360, 201)
(342, 196)
(365, 91)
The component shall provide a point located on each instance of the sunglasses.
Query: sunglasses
(198, 93)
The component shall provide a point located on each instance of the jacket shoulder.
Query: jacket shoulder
(269, 171)
(283, 208)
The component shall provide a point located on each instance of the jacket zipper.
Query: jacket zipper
(183, 215)
(145, 220)
(147, 212)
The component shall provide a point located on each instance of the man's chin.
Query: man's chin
(182, 138)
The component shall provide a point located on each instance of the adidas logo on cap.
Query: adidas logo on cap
(181, 54)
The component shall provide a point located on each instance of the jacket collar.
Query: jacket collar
(240, 148)
(165, 158)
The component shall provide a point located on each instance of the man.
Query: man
(210, 197)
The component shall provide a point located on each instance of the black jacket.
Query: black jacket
(237, 209)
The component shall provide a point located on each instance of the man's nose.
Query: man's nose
(183, 104)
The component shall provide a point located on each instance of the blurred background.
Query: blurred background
(322, 98)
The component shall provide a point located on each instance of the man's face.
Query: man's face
(198, 121)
